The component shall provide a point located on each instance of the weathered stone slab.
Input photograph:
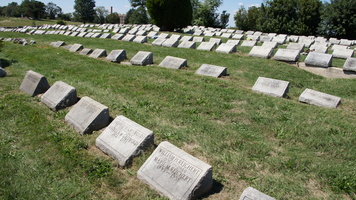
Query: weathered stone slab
(142, 58)
(141, 33)
(86, 51)
(173, 62)
(212, 70)
(226, 48)
(124, 30)
(175, 173)
(128, 38)
(140, 39)
(319, 48)
(261, 52)
(318, 59)
(117, 36)
(343, 53)
(233, 42)
(296, 46)
(306, 42)
(248, 43)
(198, 39)
(68, 46)
(226, 35)
(209, 34)
(163, 35)
(105, 36)
(253, 37)
(345, 42)
(338, 47)
(186, 38)
(253, 194)
(279, 39)
(82, 34)
(59, 44)
(265, 38)
(2, 72)
(170, 43)
(350, 64)
(238, 36)
(88, 35)
(188, 45)
(97, 53)
(217, 41)
(250, 32)
(124, 139)
(272, 87)
(34, 83)
(317, 98)
(96, 35)
(152, 34)
(287, 55)
(116, 56)
(272, 45)
(158, 41)
(76, 47)
(175, 37)
(60, 95)
(206, 46)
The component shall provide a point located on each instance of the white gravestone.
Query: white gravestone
(253, 194)
(217, 41)
(85, 52)
(318, 59)
(59, 44)
(142, 58)
(129, 38)
(287, 55)
(270, 45)
(124, 139)
(105, 36)
(158, 41)
(343, 53)
(187, 45)
(350, 64)
(170, 43)
(226, 48)
(140, 39)
(261, 52)
(175, 173)
(317, 98)
(296, 46)
(87, 116)
(173, 62)
(60, 95)
(76, 47)
(272, 87)
(34, 83)
(97, 53)
(212, 70)
(117, 36)
(198, 39)
(248, 43)
(206, 46)
(116, 56)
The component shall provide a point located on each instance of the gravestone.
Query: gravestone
(140, 39)
(59, 44)
(188, 45)
(253, 194)
(186, 38)
(116, 56)
(87, 116)
(152, 34)
(124, 139)
(319, 48)
(117, 36)
(272, 87)
(124, 30)
(343, 53)
(250, 32)
(296, 46)
(76, 47)
(238, 36)
(142, 58)
(82, 34)
(141, 33)
(317, 98)
(226, 48)
(105, 36)
(88, 35)
(253, 37)
(34, 83)
(170, 43)
(97, 53)
(206, 46)
(96, 35)
(68, 46)
(86, 52)
(217, 41)
(265, 38)
(60, 95)
(287, 55)
(338, 47)
(175, 37)
(350, 65)
(226, 35)
(2, 72)
(173, 62)
(261, 52)
(212, 70)
(248, 43)
(158, 41)
(198, 39)
(318, 59)
(175, 173)
(128, 38)
(209, 34)
(233, 42)
(163, 35)
(345, 42)
(279, 39)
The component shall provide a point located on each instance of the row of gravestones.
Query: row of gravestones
(169, 170)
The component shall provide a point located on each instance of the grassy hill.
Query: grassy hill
(284, 148)
(15, 22)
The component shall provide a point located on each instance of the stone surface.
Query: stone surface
(261, 52)
(287, 55)
(140, 39)
(124, 139)
(188, 45)
(142, 58)
(85, 52)
(105, 36)
(186, 38)
(217, 41)
(226, 48)
(253, 194)
(59, 44)
(34, 83)
(317, 98)
(270, 44)
(350, 64)
(206, 46)
(60, 95)
(296, 46)
(272, 87)
(117, 36)
(212, 70)
(87, 116)
(97, 53)
(2, 72)
(128, 38)
(318, 59)
(175, 173)
(116, 56)
(343, 53)
(238, 36)
(173, 62)
(198, 39)
(76, 47)
(170, 43)
(158, 41)
(233, 42)
(248, 43)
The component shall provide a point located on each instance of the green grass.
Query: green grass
(15, 22)
(281, 147)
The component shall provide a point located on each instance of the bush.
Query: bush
(61, 22)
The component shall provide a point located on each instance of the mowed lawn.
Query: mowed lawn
(284, 148)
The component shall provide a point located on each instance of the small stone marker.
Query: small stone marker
(343, 53)
(2, 72)
(129, 38)
(105, 36)
(158, 41)
(233, 42)
(287, 55)
(206, 46)
(198, 39)
(350, 65)
(248, 43)
(173, 62)
(170, 43)
(85, 52)
(124, 139)
(296, 46)
(270, 44)
(87, 116)
(140, 39)
(59, 44)
(238, 36)
(318, 59)
(116, 56)
(175, 173)
(272, 87)
(212, 70)
(142, 58)
(253, 194)
(188, 45)
(226, 48)
(60, 95)
(97, 53)
(76, 47)
(317, 98)
(261, 52)
(34, 83)
(216, 40)
(117, 36)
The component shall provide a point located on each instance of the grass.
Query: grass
(281, 147)
(15, 22)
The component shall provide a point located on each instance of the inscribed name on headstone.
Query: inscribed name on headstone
(261, 52)
(175, 173)
(317, 98)
(206, 46)
(76, 47)
(87, 116)
(34, 83)
(60, 95)
(2, 72)
(116, 56)
(173, 62)
(212, 70)
(350, 65)
(226, 48)
(187, 45)
(142, 58)
(287, 55)
(272, 87)
(318, 59)
(124, 139)
(253, 194)
(97, 53)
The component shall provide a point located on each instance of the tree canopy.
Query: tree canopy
(84, 10)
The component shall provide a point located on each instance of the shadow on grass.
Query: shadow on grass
(5, 63)
(216, 188)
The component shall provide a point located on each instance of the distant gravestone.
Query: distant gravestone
(279, 39)
(59, 44)
(96, 35)
(2, 72)
(85, 52)
(198, 39)
(317, 98)
(34, 83)
(116, 56)
(97, 53)
(140, 39)
(265, 38)
(76, 47)
(318, 59)
(152, 34)
(350, 65)
(128, 38)
(270, 45)
(81, 34)
(287, 55)
(158, 41)
(248, 43)
(187, 45)
(117, 36)
(253, 37)
(296, 46)
(238, 36)
(212, 70)
(261, 52)
(226, 35)
(226, 48)
(343, 53)
(87, 116)
(60, 95)
(170, 43)
(124, 139)
(105, 36)
(338, 47)
(217, 41)
(233, 42)
(206, 46)
(163, 35)
(175, 37)
(173, 62)
(186, 38)
(142, 58)
(175, 173)
(272, 87)
(253, 194)
(319, 48)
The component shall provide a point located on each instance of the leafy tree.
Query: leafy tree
(248, 20)
(205, 13)
(170, 14)
(53, 10)
(224, 19)
(241, 19)
(34, 9)
(137, 3)
(11, 10)
(101, 14)
(84, 10)
(66, 17)
(113, 18)
(136, 16)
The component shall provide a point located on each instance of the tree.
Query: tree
(53, 10)
(224, 19)
(101, 14)
(113, 18)
(11, 10)
(66, 17)
(205, 13)
(84, 10)
(137, 3)
(170, 14)
(34, 9)
(136, 16)
(241, 19)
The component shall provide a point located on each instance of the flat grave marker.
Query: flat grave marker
(2, 72)
(318, 59)
(173, 62)
(350, 64)
(142, 58)
(212, 70)
(117, 36)
(248, 43)
(261, 52)
(76, 47)
(97, 53)
(34, 83)
(253, 194)
(188, 45)
(140, 39)
(116, 56)
(170, 43)
(86, 51)
(226, 48)
(272, 87)
(343, 53)
(206, 46)
(287, 55)
(60, 95)
(158, 41)
(128, 38)
(317, 98)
